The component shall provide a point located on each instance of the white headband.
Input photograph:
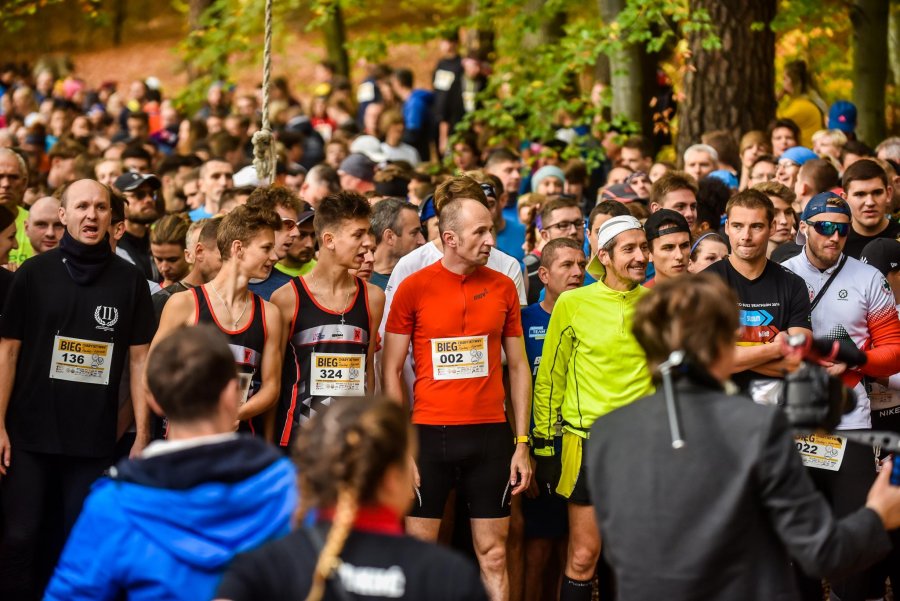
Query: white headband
(615, 226)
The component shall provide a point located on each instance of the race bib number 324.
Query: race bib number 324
(338, 374)
(78, 360)
(459, 358)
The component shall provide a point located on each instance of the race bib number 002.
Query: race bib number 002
(821, 451)
(459, 358)
(78, 360)
(338, 374)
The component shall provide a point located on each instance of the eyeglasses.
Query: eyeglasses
(143, 194)
(828, 228)
(488, 190)
(288, 224)
(564, 226)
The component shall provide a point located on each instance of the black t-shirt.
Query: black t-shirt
(775, 301)
(6, 279)
(65, 396)
(786, 251)
(139, 251)
(373, 566)
(857, 242)
(161, 297)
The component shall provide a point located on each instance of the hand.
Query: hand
(884, 499)
(140, 443)
(5, 452)
(520, 469)
(835, 369)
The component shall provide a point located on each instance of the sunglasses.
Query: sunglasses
(143, 194)
(488, 190)
(828, 228)
(288, 224)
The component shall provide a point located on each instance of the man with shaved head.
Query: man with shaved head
(74, 316)
(43, 226)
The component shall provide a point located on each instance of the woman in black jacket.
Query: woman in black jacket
(355, 471)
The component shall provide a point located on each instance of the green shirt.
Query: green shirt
(24, 251)
(591, 363)
(295, 271)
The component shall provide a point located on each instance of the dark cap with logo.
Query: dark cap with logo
(134, 180)
(825, 202)
(663, 222)
(883, 254)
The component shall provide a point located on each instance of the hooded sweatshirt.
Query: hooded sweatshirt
(165, 527)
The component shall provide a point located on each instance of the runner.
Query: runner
(353, 462)
(560, 218)
(397, 233)
(774, 301)
(168, 240)
(72, 312)
(607, 371)
(161, 505)
(301, 257)
(43, 227)
(203, 258)
(868, 191)
(676, 190)
(546, 522)
(331, 318)
(246, 241)
(285, 203)
(669, 237)
(457, 314)
(853, 301)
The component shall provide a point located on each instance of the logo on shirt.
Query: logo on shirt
(481, 294)
(357, 335)
(842, 294)
(106, 317)
(537, 332)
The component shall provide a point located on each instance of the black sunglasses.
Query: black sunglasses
(828, 228)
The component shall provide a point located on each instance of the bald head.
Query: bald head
(43, 226)
(86, 211)
(466, 227)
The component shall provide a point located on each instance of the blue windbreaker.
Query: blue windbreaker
(166, 527)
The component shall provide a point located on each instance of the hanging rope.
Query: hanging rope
(263, 140)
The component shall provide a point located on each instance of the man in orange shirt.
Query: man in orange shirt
(458, 314)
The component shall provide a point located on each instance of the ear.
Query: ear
(545, 235)
(151, 400)
(236, 247)
(119, 231)
(803, 228)
(654, 207)
(62, 215)
(543, 275)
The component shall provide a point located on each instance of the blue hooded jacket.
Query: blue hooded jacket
(167, 526)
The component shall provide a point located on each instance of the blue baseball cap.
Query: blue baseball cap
(426, 211)
(726, 177)
(818, 204)
(798, 154)
(842, 116)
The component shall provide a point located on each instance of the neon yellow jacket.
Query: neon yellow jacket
(591, 362)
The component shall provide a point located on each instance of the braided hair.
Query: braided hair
(342, 455)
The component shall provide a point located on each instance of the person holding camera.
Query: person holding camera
(722, 516)
(851, 300)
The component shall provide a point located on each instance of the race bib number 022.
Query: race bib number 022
(459, 358)
(821, 451)
(78, 360)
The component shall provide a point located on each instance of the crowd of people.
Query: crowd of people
(456, 343)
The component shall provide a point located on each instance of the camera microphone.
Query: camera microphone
(823, 349)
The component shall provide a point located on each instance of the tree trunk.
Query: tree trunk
(870, 66)
(118, 22)
(550, 30)
(731, 88)
(626, 71)
(336, 40)
(480, 39)
(196, 9)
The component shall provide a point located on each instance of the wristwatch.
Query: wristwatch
(526, 438)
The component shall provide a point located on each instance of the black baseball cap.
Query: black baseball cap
(883, 254)
(663, 222)
(134, 180)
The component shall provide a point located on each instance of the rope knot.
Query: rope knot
(264, 154)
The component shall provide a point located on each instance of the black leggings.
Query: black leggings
(846, 491)
(40, 499)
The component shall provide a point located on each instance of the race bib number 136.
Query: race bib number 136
(78, 360)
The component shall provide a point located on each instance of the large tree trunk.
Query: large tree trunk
(626, 72)
(870, 67)
(336, 39)
(549, 31)
(196, 9)
(731, 88)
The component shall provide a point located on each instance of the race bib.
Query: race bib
(821, 451)
(78, 360)
(338, 374)
(443, 79)
(365, 92)
(459, 358)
